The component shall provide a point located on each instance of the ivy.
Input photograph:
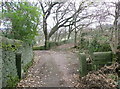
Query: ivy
(12, 82)
(10, 47)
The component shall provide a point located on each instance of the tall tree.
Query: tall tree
(63, 15)
(46, 14)
(117, 28)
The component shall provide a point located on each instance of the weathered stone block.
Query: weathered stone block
(83, 64)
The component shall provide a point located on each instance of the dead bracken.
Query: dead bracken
(105, 78)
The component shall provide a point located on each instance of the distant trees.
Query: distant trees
(63, 14)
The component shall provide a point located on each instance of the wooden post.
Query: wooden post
(18, 64)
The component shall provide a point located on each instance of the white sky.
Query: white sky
(50, 21)
(64, 0)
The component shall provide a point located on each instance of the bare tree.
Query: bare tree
(70, 30)
(117, 29)
(46, 14)
(63, 15)
(117, 36)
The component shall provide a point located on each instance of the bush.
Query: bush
(51, 44)
(94, 46)
(12, 82)
(84, 44)
(97, 47)
(24, 20)
(39, 48)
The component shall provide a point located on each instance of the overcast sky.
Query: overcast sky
(65, 0)
(77, 1)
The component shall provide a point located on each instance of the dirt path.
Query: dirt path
(53, 68)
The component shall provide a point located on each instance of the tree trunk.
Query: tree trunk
(70, 31)
(55, 37)
(80, 38)
(69, 35)
(45, 33)
(59, 35)
(46, 43)
(117, 35)
(75, 40)
(117, 23)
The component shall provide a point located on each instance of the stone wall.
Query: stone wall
(99, 59)
(10, 48)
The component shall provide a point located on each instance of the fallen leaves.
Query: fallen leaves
(101, 79)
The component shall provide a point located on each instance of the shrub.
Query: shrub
(97, 47)
(94, 46)
(84, 44)
(24, 19)
(51, 44)
(12, 82)
(39, 48)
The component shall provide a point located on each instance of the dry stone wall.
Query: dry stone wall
(8, 61)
